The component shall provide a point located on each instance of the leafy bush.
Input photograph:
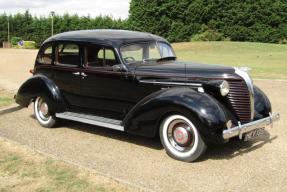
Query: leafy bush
(283, 41)
(29, 45)
(209, 35)
(14, 40)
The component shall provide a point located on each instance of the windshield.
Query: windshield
(141, 52)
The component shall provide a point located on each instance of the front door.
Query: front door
(102, 84)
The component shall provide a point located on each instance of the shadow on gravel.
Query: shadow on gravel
(10, 109)
(110, 133)
(232, 149)
(236, 147)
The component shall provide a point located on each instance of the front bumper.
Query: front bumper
(241, 129)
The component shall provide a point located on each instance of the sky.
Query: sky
(115, 8)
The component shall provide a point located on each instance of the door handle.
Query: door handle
(84, 74)
(76, 73)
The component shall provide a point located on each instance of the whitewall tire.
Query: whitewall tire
(42, 114)
(181, 139)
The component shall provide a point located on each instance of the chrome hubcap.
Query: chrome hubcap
(43, 109)
(180, 135)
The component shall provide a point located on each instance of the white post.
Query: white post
(8, 31)
(52, 14)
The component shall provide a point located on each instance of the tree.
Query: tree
(39, 28)
(178, 20)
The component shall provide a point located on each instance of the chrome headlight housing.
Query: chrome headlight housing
(224, 88)
(245, 69)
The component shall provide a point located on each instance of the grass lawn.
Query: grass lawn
(265, 60)
(23, 170)
(5, 99)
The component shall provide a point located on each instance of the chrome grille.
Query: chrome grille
(239, 100)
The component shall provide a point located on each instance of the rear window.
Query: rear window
(68, 54)
(45, 56)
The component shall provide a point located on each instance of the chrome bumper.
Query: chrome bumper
(241, 129)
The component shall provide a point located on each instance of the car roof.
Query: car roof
(107, 36)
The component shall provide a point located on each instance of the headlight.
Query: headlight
(224, 88)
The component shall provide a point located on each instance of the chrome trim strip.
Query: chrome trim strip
(171, 83)
(93, 120)
(241, 129)
(249, 84)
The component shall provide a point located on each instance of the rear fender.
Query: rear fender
(40, 85)
(145, 117)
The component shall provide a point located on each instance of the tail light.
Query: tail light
(31, 71)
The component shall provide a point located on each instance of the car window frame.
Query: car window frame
(41, 51)
(168, 44)
(144, 51)
(56, 45)
(101, 68)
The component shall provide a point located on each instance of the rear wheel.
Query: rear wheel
(181, 139)
(42, 114)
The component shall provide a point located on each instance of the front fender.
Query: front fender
(262, 104)
(145, 117)
(40, 85)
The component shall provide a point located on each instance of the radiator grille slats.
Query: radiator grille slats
(239, 100)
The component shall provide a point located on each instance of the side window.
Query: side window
(106, 53)
(98, 56)
(101, 53)
(153, 51)
(133, 53)
(68, 54)
(45, 56)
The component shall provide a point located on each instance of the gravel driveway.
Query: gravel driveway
(260, 165)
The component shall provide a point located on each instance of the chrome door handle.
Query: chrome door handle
(76, 73)
(84, 74)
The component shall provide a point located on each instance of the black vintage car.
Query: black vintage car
(131, 81)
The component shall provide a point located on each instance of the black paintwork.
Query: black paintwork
(114, 38)
(262, 104)
(40, 85)
(127, 92)
(145, 117)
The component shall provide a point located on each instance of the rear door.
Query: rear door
(44, 61)
(67, 72)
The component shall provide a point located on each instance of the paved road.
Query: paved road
(253, 166)
(14, 67)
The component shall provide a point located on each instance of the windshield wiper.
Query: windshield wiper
(166, 58)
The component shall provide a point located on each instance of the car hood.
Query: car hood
(186, 70)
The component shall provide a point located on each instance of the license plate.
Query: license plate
(253, 134)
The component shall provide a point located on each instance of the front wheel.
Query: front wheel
(181, 139)
(42, 114)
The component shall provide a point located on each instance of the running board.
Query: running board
(93, 120)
